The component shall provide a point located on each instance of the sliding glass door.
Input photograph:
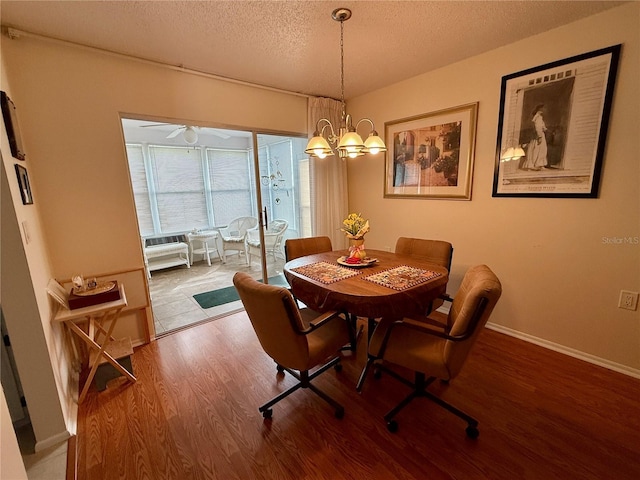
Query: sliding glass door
(189, 194)
(283, 178)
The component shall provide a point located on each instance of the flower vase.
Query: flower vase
(356, 248)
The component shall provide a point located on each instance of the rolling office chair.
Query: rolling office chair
(433, 353)
(434, 251)
(296, 339)
(299, 247)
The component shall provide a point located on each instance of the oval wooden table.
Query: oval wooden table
(362, 297)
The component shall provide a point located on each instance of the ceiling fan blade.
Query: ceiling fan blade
(156, 125)
(176, 132)
(219, 133)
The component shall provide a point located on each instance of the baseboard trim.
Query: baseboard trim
(616, 367)
(51, 441)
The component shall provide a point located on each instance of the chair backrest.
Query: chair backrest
(276, 320)
(299, 247)
(277, 226)
(238, 226)
(470, 310)
(273, 235)
(433, 251)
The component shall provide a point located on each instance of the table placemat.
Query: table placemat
(325, 272)
(402, 277)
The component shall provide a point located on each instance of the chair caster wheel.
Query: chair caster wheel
(392, 426)
(377, 374)
(339, 413)
(338, 367)
(472, 432)
(268, 413)
(280, 368)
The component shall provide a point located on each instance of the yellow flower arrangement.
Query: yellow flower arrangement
(355, 226)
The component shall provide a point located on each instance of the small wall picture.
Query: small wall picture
(11, 124)
(23, 183)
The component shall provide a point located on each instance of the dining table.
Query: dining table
(388, 285)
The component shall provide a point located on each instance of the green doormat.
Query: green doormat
(230, 294)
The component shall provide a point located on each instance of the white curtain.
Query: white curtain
(329, 194)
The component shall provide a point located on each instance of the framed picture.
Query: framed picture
(552, 127)
(431, 155)
(11, 124)
(23, 183)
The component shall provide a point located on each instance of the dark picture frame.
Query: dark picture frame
(431, 156)
(11, 124)
(25, 186)
(558, 114)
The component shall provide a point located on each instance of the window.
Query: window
(230, 185)
(178, 188)
(178, 185)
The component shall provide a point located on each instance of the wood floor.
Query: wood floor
(193, 414)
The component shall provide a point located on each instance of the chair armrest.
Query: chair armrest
(429, 330)
(445, 296)
(252, 236)
(321, 320)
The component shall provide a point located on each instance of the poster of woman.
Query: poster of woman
(555, 116)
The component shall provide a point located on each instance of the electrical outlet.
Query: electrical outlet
(628, 300)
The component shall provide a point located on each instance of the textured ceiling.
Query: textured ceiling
(295, 45)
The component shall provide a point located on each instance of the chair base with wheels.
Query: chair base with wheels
(304, 381)
(298, 340)
(435, 352)
(420, 390)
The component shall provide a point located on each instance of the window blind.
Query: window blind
(230, 179)
(140, 189)
(179, 188)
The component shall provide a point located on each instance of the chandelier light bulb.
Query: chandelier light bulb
(344, 140)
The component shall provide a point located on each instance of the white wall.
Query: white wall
(561, 281)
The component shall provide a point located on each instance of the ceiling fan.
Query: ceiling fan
(189, 132)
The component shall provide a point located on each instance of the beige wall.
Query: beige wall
(69, 102)
(561, 281)
(11, 466)
(38, 346)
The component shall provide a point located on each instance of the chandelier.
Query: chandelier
(347, 142)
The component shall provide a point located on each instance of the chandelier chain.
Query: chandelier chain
(342, 66)
(343, 140)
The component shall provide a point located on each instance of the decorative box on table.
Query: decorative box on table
(102, 293)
